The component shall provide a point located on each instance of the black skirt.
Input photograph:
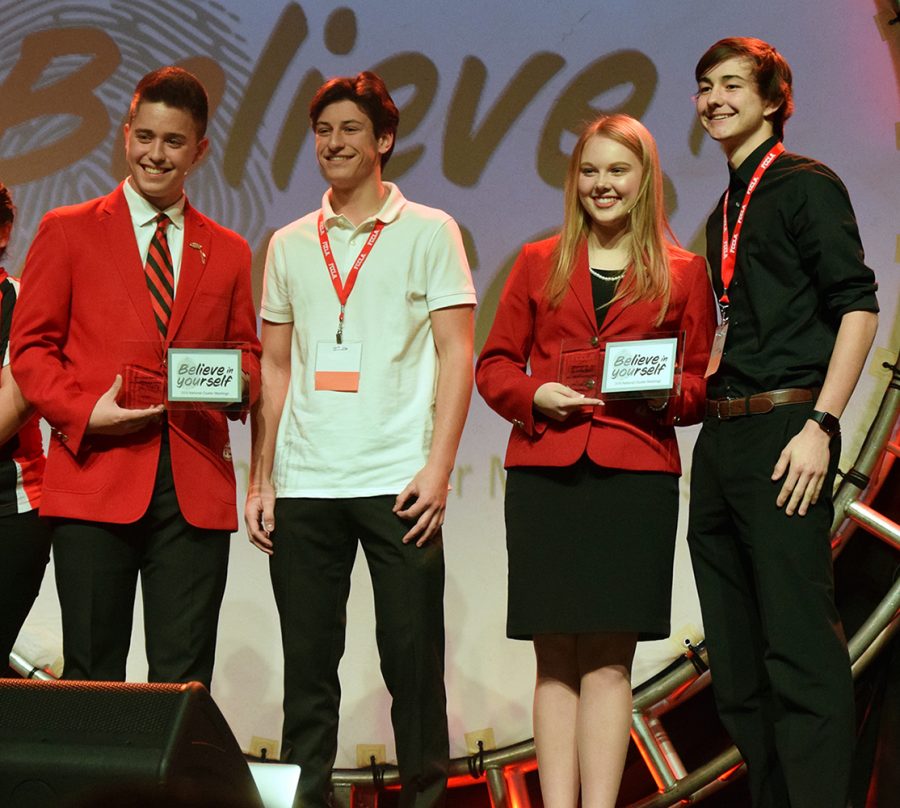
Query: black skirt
(590, 550)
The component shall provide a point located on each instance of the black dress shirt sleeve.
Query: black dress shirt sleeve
(828, 239)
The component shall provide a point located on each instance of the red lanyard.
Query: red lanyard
(729, 243)
(344, 289)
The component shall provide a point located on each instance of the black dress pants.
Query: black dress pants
(182, 570)
(778, 657)
(315, 543)
(24, 553)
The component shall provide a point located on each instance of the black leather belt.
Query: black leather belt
(725, 408)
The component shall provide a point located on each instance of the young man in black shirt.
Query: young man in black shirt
(799, 316)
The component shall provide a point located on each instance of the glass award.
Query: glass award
(201, 375)
(580, 364)
(643, 366)
(142, 387)
(193, 375)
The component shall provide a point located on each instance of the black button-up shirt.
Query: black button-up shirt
(799, 269)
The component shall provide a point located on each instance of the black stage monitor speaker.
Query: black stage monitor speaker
(67, 743)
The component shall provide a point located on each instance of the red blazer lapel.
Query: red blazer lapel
(194, 256)
(118, 230)
(631, 319)
(580, 284)
(616, 309)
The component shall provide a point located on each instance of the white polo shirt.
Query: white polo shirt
(334, 444)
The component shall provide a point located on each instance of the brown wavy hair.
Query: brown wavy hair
(369, 92)
(771, 72)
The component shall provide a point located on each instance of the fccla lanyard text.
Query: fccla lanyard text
(730, 243)
(344, 289)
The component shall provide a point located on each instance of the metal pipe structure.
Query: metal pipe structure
(873, 463)
(26, 670)
(877, 524)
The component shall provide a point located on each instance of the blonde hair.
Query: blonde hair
(648, 223)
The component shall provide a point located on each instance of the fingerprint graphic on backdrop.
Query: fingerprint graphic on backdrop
(67, 72)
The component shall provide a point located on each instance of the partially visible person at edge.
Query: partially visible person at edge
(798, 318)
(356, 434)
(136, 490)
(24, 538)
(592, 485)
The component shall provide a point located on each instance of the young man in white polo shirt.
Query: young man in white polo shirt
(367, 373)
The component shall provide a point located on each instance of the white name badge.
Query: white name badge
(338, 366)
(637, 366)
(207, 375)
(718, 348)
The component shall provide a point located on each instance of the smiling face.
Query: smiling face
(348, 152)
(161, 145)
(731, 109)
(609, 183)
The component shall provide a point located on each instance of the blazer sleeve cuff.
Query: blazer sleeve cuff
(71, 430)
(524, 416)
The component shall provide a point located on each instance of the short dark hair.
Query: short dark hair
(771, 72)
(7, 208)
(174, 87)
(7, 211)
(368, 91)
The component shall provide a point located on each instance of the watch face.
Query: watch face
(827, 422)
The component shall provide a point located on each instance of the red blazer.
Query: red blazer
(527, 331)
(84, 312)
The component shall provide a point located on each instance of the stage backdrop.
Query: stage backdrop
(490, 95)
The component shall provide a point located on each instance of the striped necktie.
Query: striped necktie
(159, 274)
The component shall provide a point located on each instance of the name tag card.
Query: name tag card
(204, 375)
(338, 366)
(718, 348)
(643, 368)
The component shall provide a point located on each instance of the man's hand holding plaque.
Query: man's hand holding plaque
(115, 413)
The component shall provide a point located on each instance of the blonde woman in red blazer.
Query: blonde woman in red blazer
(592, 488)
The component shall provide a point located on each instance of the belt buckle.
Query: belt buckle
(726, 403)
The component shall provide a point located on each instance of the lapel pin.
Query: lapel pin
(197, 246)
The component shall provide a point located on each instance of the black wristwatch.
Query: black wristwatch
(830, 425)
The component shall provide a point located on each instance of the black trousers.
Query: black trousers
(779, 662)
(24, 553)
(315, 547)
(182, 570)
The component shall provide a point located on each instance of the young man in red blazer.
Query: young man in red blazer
(133, 488)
